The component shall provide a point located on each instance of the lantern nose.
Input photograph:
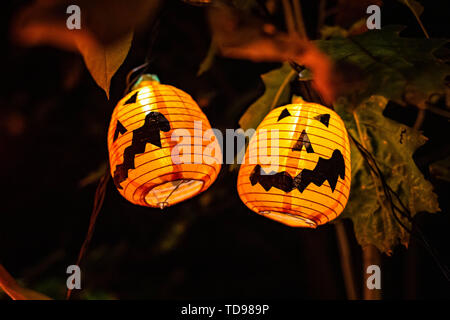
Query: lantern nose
(303, 140)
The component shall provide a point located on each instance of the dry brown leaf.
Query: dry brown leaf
(103, 40)
(16, 292)
(103, 61)
(243, 37)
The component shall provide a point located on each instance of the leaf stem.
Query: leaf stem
(346, 260)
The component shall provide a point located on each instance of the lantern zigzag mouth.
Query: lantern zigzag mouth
(149, 133)
(326, 170)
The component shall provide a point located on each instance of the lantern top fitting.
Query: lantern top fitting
(145, 80)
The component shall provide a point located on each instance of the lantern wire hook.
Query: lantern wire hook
(164, 203)
(130, 82)
(153, 30)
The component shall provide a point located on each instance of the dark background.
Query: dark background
(53, 128)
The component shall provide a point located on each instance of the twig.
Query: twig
(439, 112)
(321, 15)
(421, 114)
(417, 18)
(371, 256)
(420, 118)
(98, 203)
(299, 19)
(289, 17)
(346, 260)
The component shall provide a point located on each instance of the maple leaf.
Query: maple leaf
(392, 144)
(400, 69)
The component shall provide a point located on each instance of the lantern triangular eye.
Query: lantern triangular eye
(285, 113)
(324, 118)
(119, 129)
(132, 99)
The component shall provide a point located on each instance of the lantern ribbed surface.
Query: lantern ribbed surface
(140, 145)
(308, 181)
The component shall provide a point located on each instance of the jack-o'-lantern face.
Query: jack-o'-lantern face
(310, 184)
(140, 143)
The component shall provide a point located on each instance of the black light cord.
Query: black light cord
(143, 68)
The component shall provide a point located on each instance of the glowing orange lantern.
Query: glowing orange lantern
(306, 181)
(148, 158)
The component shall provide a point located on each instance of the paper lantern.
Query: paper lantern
(305, 181)
(148, 125)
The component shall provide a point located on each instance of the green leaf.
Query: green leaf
(400, 69)
(333, 32)
(276, 94)
(392, 145)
